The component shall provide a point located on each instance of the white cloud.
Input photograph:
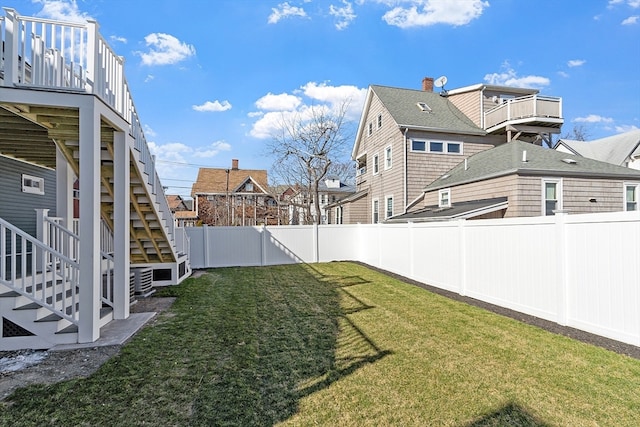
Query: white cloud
(285, 10)
(576, 62)
(281, 102)
(276, 109)
(343, 14)
(634, 3)
(118, 39)
(148, 132)
(149, 78)
(213, 150)
(563, 74)
(165, 49)
(593, 118)
(626, 128)
(509, 77)
(422, 13)
(62, 11)
(213, 106)
(631, 20)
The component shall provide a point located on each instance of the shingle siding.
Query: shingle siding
(18, 208)
(469, 104)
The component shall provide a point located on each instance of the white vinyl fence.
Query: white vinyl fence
(581, 271)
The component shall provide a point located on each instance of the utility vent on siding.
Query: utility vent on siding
(143, 281)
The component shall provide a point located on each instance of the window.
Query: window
(387, 158)
(552, 195)
(418, 145)
(376, 164)
(389, 207)
(379, 121)
(374, 211)
(444, 198)
(631, 197)
(370, 129)
(323, 199)
(339, 215)
(32, 184)
(248, 186)
(436, 146)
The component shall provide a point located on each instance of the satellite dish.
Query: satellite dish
(440, 81)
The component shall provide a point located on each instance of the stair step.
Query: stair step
(30, 306)
(50, 318)
(10, 294)
(71, 329)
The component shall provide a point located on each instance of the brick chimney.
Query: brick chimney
(234, 164)
(427, 84)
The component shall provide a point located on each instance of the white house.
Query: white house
(67, 116)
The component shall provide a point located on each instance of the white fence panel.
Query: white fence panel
(513, 263)
(394, 253)
(603, 261)
(369, 244)
(289, 245)
(436, 258)
(196, 240)
(337, 242)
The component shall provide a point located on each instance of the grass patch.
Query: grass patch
(337, 344)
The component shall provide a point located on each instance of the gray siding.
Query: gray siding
(18, 208)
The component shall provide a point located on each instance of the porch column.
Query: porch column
(64, 190)
(121, 215)
(90, 278)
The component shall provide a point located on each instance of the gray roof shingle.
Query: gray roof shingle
(614, 149)
(507, 159)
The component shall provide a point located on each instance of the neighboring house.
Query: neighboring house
(408, 138)
(622, 149)
(183, 213)
(330, 190)
(225, 197)
(522, 179)
(69, 130)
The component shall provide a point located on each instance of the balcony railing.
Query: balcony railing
(526, 108)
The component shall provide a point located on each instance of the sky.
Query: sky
(212, 79)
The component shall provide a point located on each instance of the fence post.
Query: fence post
(462, 239)
(562, 281)
(263, 245)
(11, 57)
(316, 255)
(410, 250)
(205, 246)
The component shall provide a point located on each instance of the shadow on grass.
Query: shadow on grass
(296, 340)
(511, 415)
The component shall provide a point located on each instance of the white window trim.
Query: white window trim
(370, 129)
(445, 147)
(624, 194)
(28, 187)
(543, 204)
(373, 203)
(386, 201)
(388, 157)
(379, 121)
(376, 164)
(442, 192)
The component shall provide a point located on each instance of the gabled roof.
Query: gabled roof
(344, 188)
(507, 159)
(458, 210)
(614, 149)
(214, 180)
(402, 104)
(174, 201)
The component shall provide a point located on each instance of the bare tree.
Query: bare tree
(306, 147)
(578, 133)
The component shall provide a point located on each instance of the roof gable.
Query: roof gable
(214, 180)
(614, 149)
(523, 158)
(406, 107)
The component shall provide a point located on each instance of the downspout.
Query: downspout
(406, 155)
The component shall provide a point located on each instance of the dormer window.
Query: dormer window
(444, 198)
(424, 107)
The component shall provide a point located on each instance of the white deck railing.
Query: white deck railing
(71, 56)
(532, 106)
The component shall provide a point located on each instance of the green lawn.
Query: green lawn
(338, 345)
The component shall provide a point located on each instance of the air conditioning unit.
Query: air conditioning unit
(143, 279)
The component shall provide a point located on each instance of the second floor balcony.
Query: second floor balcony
(533, 110)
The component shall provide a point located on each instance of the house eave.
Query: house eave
(479, 132)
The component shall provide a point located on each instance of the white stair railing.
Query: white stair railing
(39, 273)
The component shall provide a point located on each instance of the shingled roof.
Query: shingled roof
(507, 159)
(404, 107)
(614, 149)
(214, 180)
